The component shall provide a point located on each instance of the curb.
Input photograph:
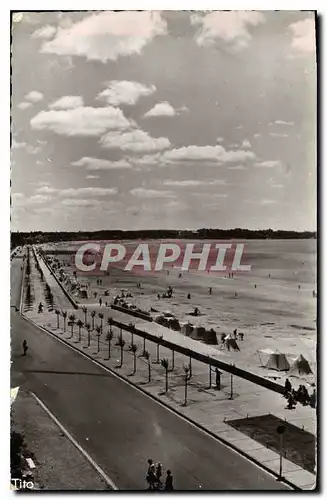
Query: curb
(181, 415)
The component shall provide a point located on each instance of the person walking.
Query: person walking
(169, 481)
(218, 377)
(151, 474)
(25, 347)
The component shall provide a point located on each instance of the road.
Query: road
(116, 424)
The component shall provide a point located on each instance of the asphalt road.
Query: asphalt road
(116, 424)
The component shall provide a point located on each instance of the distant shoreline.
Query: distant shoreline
(21, 238)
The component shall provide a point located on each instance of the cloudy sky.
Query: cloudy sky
(136, 120)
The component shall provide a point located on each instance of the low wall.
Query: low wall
(136, 314)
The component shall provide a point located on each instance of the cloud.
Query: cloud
(82, 121)
(88, 191)
(267, 202)
(151, 193)
(80, 203)
(268, 164)
(125, 92)
(92, 177)
(246, 144)
(46, 190)
(257, 135)
(212, 154)
(303, 36)
(100, 164)
(18, 145)
(24, 105)
(45, 32)
(194, 183)
(282, 122)
(161, 109)
(237, 167)
(38, 199)
(34, 96)
(108, 35)
(33, 150)
(136, 140)
(232, 28)
(277, 134)
(220, 140)
(68, 102)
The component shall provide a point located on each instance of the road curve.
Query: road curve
(116, 424)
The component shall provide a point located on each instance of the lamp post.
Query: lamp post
(281, 430)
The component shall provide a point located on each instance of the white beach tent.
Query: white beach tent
(277, 361)
(300, 366)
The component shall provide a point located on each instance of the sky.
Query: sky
(163, 119)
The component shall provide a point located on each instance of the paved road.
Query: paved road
(116, 424)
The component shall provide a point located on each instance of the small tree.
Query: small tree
(79, 323)
(64, 315)
(165, 364)
(88, 328)
(98, 330)
(187, 377)
(57, 312)
(147, 357)
(93, 313)
(133, 348)
(84, 309)
(121, 343)
(72, 319)
(109, 337)
(101, 321)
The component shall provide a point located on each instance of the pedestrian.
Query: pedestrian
(169, 481)
(150, 476)
(40, 309)
(210, 290)
(287, 387)
(100, 301)
(158, 472)
(188, 295)
(299, 287)
(218, 376)
(25, 347)
(235, 333)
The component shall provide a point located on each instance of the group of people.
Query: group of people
(301, 395)
(154, 475)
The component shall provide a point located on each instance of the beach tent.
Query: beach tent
(186, 329)
(210, 337)
(277, 361)
(162, 320)
(174, 324)
(300, 366)
(198, 333)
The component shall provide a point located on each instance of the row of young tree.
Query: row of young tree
(71, 320)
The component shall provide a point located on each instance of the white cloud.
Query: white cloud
(100, 164)
(136, 140)
(161, 109)
(107, 35)
(33, 150)
(257, 135)
(80, 203)
(38, 199)
(125, 92)
(92, 177)
(24, 105)
(282, 122)
(205, 153)
(239, 127)
(233, 27)
(88, 191)
(220, 140)
(67, 102)
(18, 145)
(267, 202)
(194, 183)
(34, 96)
(277, 134)
(303, 36)
(246, 144)
(45, 32)
(46, 190)
(269, 164)
(151, 193)
(82, 121)
(237, 167)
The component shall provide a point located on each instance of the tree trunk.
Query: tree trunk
(166, 379)
(57, 322)
(185, 395)
(149, 367)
